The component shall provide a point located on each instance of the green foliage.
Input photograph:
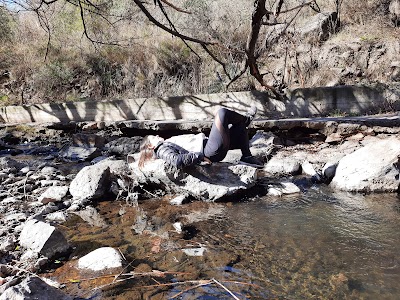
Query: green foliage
(53, 79)
(3, 99)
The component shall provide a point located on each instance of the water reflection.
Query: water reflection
(315, 245)
(322, 244)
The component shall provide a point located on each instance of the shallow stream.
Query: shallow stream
(317, 245)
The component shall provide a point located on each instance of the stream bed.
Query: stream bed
(315, 245)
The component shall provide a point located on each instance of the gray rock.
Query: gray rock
(329, 170)
(53, 194)
(43, 238)
(194, 251)
(282, 188)
(308, 169)
(49, 171)
(73, 153)
(58, 216)
(15, 217)
(33, 288)
(101, 259)
(7, 244)
(91, 182)
(207, 183)
(88, 140)
(9, 163)
(321, 25)
(178, 200)
(282, 166)
(372, 168)
(123, 146)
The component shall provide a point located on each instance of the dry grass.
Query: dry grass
(151, 62)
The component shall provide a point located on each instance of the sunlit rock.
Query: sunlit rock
(53, 194)
(373, 168)
(91, 182)
(34, 288)
(282, 188)
(281, 166)
(43, 238)
(207, 183)
(101, 259)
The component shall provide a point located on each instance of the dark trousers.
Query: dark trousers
(227, 132)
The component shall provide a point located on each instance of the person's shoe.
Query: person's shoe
(250, 114)
(251, 161)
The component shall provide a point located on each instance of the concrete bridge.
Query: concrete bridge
(299, 103)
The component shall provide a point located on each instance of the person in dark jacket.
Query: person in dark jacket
(229, 131)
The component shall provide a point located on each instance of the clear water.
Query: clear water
(317, 245)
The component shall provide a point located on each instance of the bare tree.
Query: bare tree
(247, 53)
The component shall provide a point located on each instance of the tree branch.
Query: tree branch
(162, 26)
(176, 8)
(173, 26)
(256, 22)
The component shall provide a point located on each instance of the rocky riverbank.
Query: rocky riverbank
(50, 177)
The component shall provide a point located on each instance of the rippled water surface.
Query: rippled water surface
(317, 245)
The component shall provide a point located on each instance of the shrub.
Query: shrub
(6, 25)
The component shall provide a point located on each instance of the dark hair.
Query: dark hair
(146, 153)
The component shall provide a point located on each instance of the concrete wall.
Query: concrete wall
(299, 103)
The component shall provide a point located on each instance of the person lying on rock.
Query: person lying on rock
(229, 131)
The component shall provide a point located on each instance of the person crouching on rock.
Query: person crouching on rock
(229, 131)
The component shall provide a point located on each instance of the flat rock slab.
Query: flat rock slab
(207, 183)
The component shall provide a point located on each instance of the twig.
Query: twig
(191, 288)
(225, 288)
(175, 7)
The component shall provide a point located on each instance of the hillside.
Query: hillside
(54, 56)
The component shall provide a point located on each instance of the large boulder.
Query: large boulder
(33, 288)
(43, 238)
(91, 182)
(372, 168)
(207, 183)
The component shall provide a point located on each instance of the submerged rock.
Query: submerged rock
(90, 215)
